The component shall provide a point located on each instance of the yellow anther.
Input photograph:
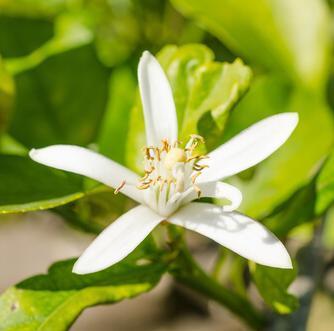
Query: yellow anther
(119, 187)
(197, 137)
(198, 167)
(157, 153)
(165, 145)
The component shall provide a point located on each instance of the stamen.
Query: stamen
(194, 141)
(198, 191)
(194, 177)
(157, 153)
(165, 145)
(145, 185)
(198, 167)
(119, 187)
(169, 170)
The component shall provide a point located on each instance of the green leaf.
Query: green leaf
(291, 167)
(272, 284)
(53, 301)
(26, 185)
(8, 145)
(216, 88)
(20, 36)
(115, 123)
(272, 33)
(200, 85)
(299, 209)
(54, 105)
(36, 8)
(325, 186)
(69, 33)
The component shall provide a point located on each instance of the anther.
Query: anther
(198, 191)
(198, 167)
(119, 187)
(194, 177)
(165, 145)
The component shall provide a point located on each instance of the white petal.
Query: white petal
(249, 147)
(85, 162)
(235, 231)
(157, 100)
(217, 190)
(118, 240)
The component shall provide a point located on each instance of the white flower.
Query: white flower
(174, 177)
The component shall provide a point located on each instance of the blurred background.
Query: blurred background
(68, 75)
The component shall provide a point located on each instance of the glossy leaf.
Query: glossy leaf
(290, 37)
(53, 301)
(272, 284)
(54, 105)
(26, 185)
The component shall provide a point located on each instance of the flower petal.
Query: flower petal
(217, 190)
(118, 240)
(235, 231)
(85, 162)
(249, 147)
(158, 102)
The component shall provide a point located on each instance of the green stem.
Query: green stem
(189, 273)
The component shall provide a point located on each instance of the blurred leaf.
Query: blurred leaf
(32, 8)
(272, 284)
(115, 123)
(216, 88)
(53, 301)
(299, 209)
(6, 96)
(8, 145)
(325, 186)
(70, 33)
(328, 230)
(60, 101)
(26, 185)
(20, 36)
(296, 162)
(199, 85)
(290, 37)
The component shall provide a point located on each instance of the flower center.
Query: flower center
(171, 171)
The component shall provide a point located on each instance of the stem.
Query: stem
(189, 273)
